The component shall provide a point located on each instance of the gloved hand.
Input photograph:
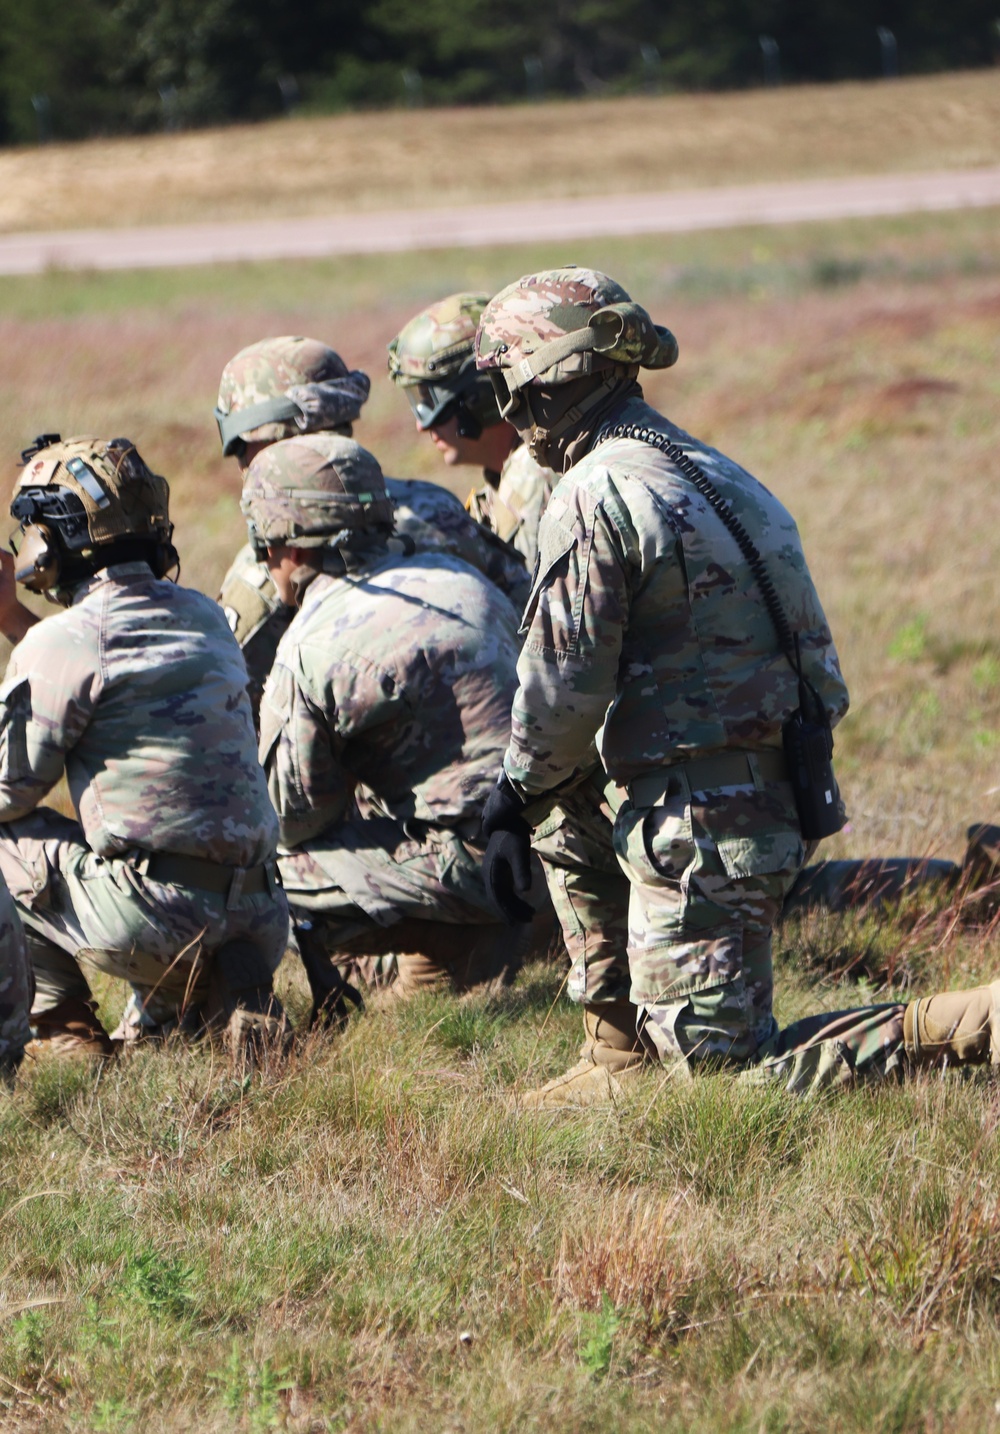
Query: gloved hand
(507, 862)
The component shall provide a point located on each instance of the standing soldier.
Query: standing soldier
(137, 692)
(284, 387)
(433, 361)
(650, 627)
(383, 719)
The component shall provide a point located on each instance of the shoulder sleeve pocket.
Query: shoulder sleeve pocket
(554, 542)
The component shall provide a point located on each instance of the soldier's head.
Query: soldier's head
(280, 388)
(558, 347)
(312, 498)
(83, 504)
(433, 360)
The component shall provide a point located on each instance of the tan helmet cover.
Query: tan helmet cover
(120, 495)
(550, 327)
(301, 492)
(438, 341)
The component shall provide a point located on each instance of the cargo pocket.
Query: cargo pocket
(15, 714)
(767, 853)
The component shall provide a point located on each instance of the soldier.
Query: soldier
(433, 361)
(282, 388)
(650, 625)
(396, 672)
(136, 691)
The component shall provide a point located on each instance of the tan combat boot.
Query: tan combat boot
(69, 1029)
(959, 1028)
(611, 1053)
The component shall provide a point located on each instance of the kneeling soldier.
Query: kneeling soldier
(386, 710)
(653, 628)
(137, 691)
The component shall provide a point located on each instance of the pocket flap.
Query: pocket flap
(763, 854)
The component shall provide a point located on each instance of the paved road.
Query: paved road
(392, 231)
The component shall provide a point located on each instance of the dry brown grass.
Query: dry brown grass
(323, 165)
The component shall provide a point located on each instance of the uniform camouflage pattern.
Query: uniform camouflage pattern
(307, 491)
(626, 539)
(126, 691)
(645, 628)
(426, 515)
(15, 986)
(524, 330)
(589, 892)
(438, 342)
(856, 885)
(513, 509)
(308, 372)
(396, 675)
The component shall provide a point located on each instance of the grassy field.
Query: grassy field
(368, 1237)
(324, 165)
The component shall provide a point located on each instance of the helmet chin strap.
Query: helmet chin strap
(555, 417)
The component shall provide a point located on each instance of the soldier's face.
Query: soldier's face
(281, 564)
(453, 448)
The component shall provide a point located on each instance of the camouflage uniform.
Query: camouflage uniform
(15, 986)
(433, 361)
(396, 673)
(309, 387)
(136, 691)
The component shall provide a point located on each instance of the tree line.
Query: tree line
(117, 66)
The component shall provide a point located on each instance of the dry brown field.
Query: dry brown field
(405, 158)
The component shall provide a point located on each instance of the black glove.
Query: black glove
(507, 862)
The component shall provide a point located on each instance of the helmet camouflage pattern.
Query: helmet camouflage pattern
(303, 492)
(433, 359)
(282, 387)
(561, 324)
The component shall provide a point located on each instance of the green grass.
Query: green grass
(370, 1236)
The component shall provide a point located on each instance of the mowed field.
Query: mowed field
(370, 1236)
(413, 158)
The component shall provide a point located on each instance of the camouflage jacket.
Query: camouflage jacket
(432, 517)
(513, 509)
(138, 693)
(645, 623)
(397, 675)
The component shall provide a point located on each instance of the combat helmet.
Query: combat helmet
(551, 328)
(282, 387)
(314, 492)
(83, 503)
(433, 360)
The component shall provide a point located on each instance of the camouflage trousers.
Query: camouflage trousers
(589, 892)
(83, 912)
(368, 871)
(709, 872)
(15, 985)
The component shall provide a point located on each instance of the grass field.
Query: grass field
(368, 1237)
(324, 165)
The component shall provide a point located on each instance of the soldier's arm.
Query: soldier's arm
(573, 626)
(47, 698)
(15, 618)
(309, 786)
